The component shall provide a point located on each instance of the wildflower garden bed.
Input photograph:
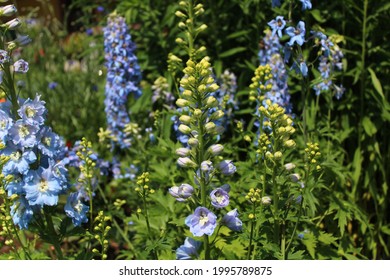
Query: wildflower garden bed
(151, 130)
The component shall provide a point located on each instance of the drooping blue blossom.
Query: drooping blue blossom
(123, 77)
(189, 250)
(306, 4)
(227, 167)
(297, 35)
(181, 193)
(232, 221)
(203, 221)
(277, 25)
(76, 210)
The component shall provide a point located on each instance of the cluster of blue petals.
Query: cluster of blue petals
(123, 77)
(35, 162)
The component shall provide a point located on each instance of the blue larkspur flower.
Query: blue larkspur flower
(227, 167)
(33, 111)
(21, 66)
(19, 161)
(4, 57)
(23, 134)
(6, 123)
(189, 250)
(123, 77)
(277, 25)
(203, 221)
(297, 35)
(181, 193)
(232, 221)
(306, 4)
(43, 188)
(76, 210)
(219, 198)
(21, 213)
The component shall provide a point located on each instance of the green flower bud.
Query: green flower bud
(182, 102)
(185, 119)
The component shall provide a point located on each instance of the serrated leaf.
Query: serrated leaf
(310, 242)
(298, 255)
(232, 52)
(326, 238)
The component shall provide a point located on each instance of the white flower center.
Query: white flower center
(16, 155)
(30, 112)
(203, 219)
(23, 131)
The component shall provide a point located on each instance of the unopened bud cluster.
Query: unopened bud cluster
(261, 82)
(87, 165)
(313, 154)
(143, 188)
(101, 230)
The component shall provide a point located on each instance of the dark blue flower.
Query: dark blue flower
(76, 210)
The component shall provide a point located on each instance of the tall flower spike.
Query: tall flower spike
(123, 77)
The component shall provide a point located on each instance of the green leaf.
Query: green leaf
(369, 126)
(327, 238)
(376, 82)
(317, 16)
(311, 243)
(385, 230)
(232, 52)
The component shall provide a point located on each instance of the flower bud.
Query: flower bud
(206, 166)
(193, 142)
(211, 101)
(215, 149)
(8, 10)
(12, 24)
(278, 155)
(184, 129)
(182, 102)
(185, 162)
(217, 115)
(289, 166)
(210, 127)
(198, 112)
(290, 143)
(187, 93)
(180, 14)
(227, 167)
(183, 152)
(266, 200)
(295, 177)
(185, 119)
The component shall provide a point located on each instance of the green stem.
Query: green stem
(54, 240)
(250, 241)
(283, 240)
(295, 226)
(276, 207)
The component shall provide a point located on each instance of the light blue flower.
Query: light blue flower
(297, 34)
(306, 4)
(203, 221)
(43, 188)
(189, 250)
(76, 210)
(219, 198)
(232, 221)
(33, 111)
(21, 66)
(23, 134)
(21, 213)
(277, 25)
(181, 193)
(227, 167)
(19, 161)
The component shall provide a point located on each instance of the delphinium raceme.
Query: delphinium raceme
(35, 171)
(202, 154)
(123, 78)
(328, 58)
